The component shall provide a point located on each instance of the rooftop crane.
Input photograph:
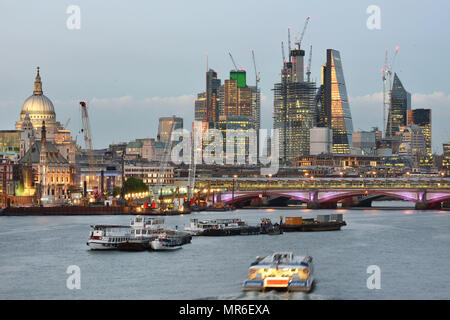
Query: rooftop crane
(282, 51)
(257, 111)
(289, 43)
(232, 60)
(298, 43)
(308, 67)
(257, 73)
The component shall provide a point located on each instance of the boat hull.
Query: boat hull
(97, 245)
(134, 245)
(278, 284)
(159, 246)
(320, 226)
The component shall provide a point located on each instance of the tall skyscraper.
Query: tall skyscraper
(446, 157)
(168, 125)
(422, 118)
(201, 113)
(400, 103)
(212, 95)
(336, 105)
(294, 108)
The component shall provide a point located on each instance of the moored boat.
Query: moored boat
(107, 237)
(163, 242)
(134, 245)
(331, 222)
(281, 270)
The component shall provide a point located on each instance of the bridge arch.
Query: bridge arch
(331, 196)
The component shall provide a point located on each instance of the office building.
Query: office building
(400, 103)
(294, 108)
(336, 105)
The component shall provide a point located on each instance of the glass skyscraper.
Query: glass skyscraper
(336, 106)
(400, 104)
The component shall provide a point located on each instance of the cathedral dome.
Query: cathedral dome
(38, 106)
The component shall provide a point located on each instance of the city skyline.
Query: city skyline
(121, 96)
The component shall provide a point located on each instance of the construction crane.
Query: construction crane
(86, 130)
(257, 73)
(67, 123)
(308, 67)
(282, 51)
(163, 163)
(387, 72)
(289, 43)
(232, 60)
(299, 42)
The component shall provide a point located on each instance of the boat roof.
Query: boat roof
(109, 226)
(283, 259)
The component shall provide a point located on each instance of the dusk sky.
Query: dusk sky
(135, 61)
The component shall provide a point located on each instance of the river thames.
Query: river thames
(411, 248)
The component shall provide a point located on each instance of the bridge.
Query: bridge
(426, 193)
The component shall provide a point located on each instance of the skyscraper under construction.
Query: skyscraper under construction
(294, 108)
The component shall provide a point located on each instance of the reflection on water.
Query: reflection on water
(36, 251)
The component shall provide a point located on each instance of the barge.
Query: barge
(282, 271)
(331, 222)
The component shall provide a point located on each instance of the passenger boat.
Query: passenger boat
(163, 242)
(281, 270)
(216, 227)
(107, 237)
(147, 227)
(221, 227)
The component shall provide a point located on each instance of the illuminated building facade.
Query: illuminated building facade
(446, 157)
(400, 104)
(336, 105)
(6, 181)
(52, 174)
(166, 126)
(200, 108)
(422, 118)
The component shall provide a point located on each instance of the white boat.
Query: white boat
(146, 227)
(197, 227)
(163, 242)
(281, 270)
(107, 237)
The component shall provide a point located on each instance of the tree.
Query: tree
(133, 185)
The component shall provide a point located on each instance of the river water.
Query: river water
(411, 248)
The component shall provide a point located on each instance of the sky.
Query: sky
(136, 61)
